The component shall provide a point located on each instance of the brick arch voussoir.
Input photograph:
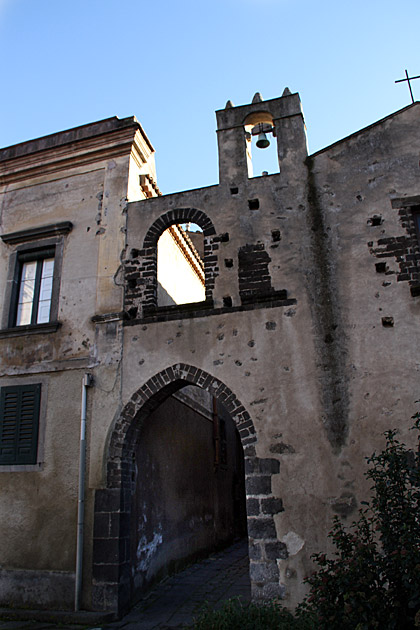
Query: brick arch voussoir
(148, 397)
(178, 215)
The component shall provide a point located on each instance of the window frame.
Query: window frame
(32, 244)
(24, 253)
(38, 256)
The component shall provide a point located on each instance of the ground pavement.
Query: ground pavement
(176, 601)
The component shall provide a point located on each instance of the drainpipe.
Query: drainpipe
(87, 382)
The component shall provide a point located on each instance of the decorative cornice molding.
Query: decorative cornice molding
(148, 185)
(53, 141)
(79, 152)
(31, 234)
(61, 159)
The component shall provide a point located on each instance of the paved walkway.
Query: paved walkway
(176, 601)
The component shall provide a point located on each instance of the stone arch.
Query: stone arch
(141, 266)
(259, 116)
(151, 395)
(111, 561)
(178, 215)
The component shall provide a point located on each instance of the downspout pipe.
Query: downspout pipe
(87, 382)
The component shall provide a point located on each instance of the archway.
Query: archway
(141, 283)
(188, 491)
(113, 538)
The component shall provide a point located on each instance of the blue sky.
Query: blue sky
(172, 63)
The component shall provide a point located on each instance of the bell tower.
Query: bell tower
(282, 117)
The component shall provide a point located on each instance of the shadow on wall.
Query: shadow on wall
(163, 297)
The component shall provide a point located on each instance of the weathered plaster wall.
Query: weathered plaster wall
(39, 503)
(352, 182)
(263, 359)
(88, 189)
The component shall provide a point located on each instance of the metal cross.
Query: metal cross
(408, 79)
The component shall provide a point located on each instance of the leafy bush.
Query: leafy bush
(373, 581)
(234, 615)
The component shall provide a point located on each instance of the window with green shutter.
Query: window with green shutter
(19, 419)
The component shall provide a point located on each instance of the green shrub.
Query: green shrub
(373, 580)
(234, 615)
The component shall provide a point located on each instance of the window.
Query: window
(33, 283)
(19, 419)
(36, 273)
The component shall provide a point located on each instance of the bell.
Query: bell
(262, 142)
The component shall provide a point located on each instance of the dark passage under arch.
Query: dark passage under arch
(188, 491)
(114, 586)
(128, 551)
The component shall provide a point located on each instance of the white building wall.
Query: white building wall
(178, 282)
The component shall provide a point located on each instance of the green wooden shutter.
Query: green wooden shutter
(19, 419)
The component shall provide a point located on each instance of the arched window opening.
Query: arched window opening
(180, 265)
(261, 145)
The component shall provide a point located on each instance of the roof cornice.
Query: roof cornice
(74, 148)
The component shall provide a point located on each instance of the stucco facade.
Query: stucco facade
(307, 336)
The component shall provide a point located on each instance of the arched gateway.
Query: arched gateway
(113, 504)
